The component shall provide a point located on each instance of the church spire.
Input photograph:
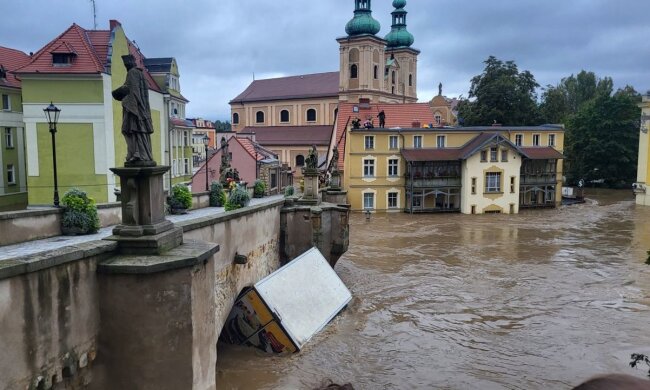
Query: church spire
(362, 23)
(399, 36)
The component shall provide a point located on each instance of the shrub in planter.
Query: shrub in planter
(259, 188)
(238, 198)
(180, 199)
(217, 195)
(288, 191)
(79, 213)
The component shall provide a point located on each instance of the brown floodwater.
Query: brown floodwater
(539, 300)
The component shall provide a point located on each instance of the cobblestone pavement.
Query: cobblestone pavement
(37, 246)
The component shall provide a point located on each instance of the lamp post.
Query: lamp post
(52, 115)
(206, 141)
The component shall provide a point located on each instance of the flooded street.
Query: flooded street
(539, 300)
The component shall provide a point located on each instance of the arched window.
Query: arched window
(353, 71)
(410, 80)
(284, 116)
(375, 71)
(235, 119)
(311, 115)
(393, 77)
(259, 117)
(300, 160)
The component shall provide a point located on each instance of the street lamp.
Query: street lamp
(206, 141)
(52, 115)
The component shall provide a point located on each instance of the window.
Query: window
(11, 175)
(483, 155)
(311, 115)
(186, 166)
(368, 167)
(438, 118)
(353, 71)
(393, 165)
(410, 80)
(535, 139)
(551, 140)
(393, 77)
(417, 141)
(186, 138)
(376, 72)
(174, 164)
(5, 103)
(473, 186)
(392, 200)
(519, 139)
(259, 117)
(9, 139)
(549, 195)
(494, 154)
(235, 119)
(284, 116)
(393, 143)
(440, 141)
(473, 209)
(274, 179)
(493, 182)
(504, 155)
(512, 184)
(369, 142)
(62, 59)
(300, 160)
(368, 201)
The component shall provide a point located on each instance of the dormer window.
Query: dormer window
(62, 59)
(3, 72)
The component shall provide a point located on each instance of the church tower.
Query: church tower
(402, 60)
(381, 70)
(362, 56)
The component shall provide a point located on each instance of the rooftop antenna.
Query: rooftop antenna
(94, 14)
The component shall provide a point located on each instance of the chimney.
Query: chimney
(416, 124)
(114, 23)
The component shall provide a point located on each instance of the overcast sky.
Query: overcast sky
(220, 44)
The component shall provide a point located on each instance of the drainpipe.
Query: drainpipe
(166, 99)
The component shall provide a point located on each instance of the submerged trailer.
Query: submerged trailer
(281, 312)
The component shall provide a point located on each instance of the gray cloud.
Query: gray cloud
(220, 44)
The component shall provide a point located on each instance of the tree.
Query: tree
(500, 94)
(222, 126)
(602, 138)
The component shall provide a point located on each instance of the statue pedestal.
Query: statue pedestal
(144, 229)
(335, 181)
(310, 193)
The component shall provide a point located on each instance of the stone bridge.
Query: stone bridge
(86, 316)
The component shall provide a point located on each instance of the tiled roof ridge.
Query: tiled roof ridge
(295, 76)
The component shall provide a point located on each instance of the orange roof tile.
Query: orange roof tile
(397, 115)
(10, 60)
(253, 148)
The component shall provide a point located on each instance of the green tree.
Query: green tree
(222, 126)
(602, 138)
(500, 94)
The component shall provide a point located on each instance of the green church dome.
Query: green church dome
(363, 22)
(398, 35)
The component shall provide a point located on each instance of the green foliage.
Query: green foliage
(238, 198)
(501, 94)
(79, 212)
(288, 191)
(181, 197)
(217, 195)
(259, 188)
(222, 126)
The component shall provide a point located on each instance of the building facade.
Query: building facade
(13, 178)
(641, 191)
(404, 166)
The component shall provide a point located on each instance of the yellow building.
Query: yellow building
(404, 166)
(643, 171)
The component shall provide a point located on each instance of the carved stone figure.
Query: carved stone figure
(440, 89)
(382, 119)
(335, 159)
(311, 162)
(136, 115)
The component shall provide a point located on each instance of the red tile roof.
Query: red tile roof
(291, 135)
(397, 115)
(73, 40)
(101, 40)
(438, 154)
(254, 149)
(541, 153)
(294, 87)
(10, 60)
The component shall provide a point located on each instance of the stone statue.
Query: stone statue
(136, 115)
(382, 119)
(225, 156)
(440, 89)
(335, 159)
(312, 159)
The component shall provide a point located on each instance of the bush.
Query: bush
(181, 197)
(79, 213)
(238, 198)
(217, 195)
(259, 188)
(288, 191)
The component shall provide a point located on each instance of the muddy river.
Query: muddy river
(539, 300)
